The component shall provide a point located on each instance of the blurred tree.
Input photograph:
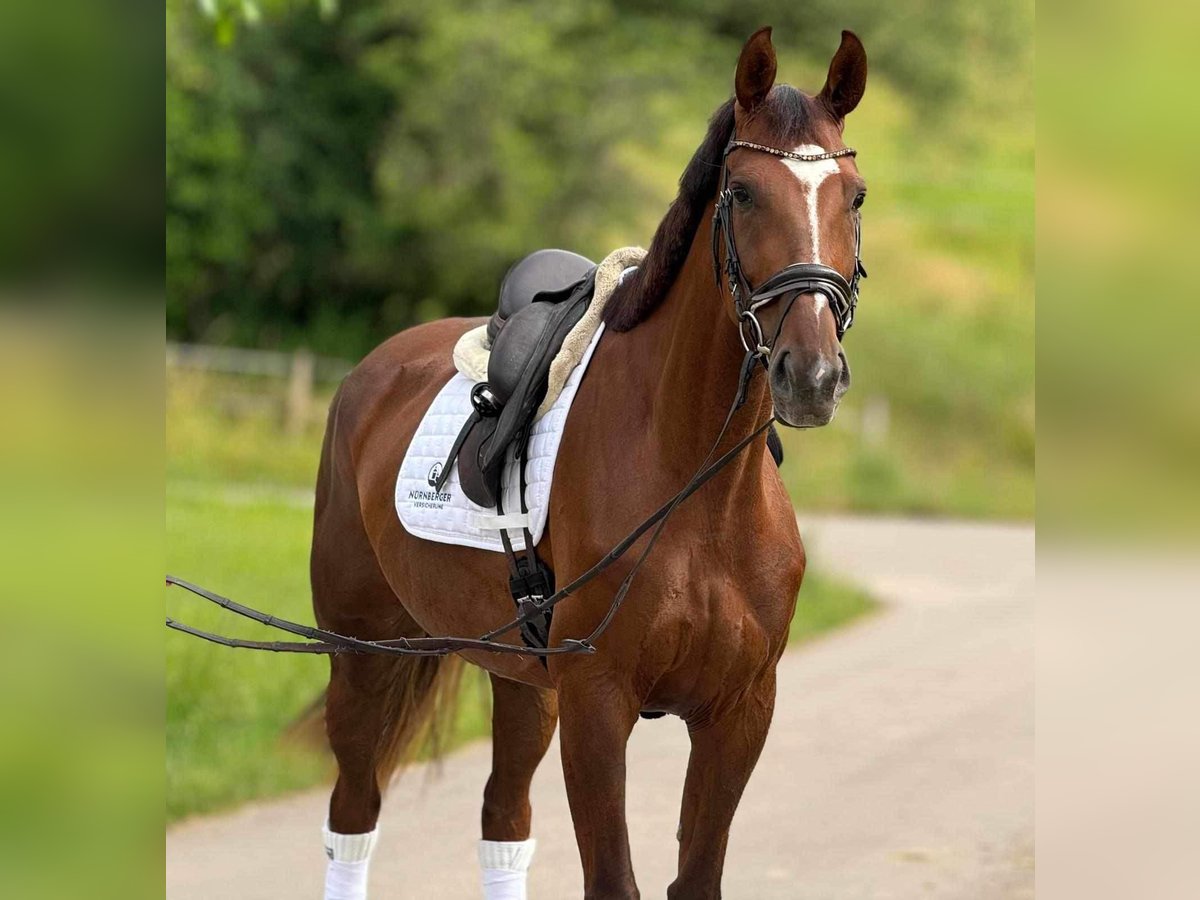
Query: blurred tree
(335, 174)
(268, 161)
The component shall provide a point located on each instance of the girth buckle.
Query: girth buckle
(529, 588)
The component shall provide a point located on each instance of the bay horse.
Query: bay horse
(709, 618)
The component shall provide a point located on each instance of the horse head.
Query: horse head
(788, 208)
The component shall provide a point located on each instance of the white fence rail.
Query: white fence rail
(242, 361)
(303, 371)
(300, 369)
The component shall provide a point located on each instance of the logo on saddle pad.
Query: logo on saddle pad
(433, 499)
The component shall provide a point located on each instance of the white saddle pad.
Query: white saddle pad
(448, 516)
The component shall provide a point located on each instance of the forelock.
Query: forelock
(789, 116)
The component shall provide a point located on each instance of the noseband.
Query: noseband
(797, 278)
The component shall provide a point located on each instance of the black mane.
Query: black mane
(788, 114)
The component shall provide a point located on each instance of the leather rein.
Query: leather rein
(796, 279)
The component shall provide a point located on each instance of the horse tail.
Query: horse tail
(421, 693)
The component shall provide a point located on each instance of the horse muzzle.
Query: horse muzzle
(807, 387)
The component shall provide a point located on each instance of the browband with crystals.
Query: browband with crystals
(803, 157)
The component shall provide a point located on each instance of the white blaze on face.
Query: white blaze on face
(819, 303)
(811, 174)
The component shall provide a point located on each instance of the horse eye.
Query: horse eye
(740, 194)
(858, 200)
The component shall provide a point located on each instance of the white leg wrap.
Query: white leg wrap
(503, 865)
(349, 858)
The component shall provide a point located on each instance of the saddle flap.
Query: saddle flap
(515, 348)
(519, 365)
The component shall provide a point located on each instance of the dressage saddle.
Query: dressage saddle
(541, 299)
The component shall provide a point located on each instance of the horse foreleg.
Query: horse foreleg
(723, 755)
(597, 718)
(523, 720)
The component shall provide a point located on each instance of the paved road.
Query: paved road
(899, 765)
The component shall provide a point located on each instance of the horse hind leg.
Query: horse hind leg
(523, 720)
(376, 707)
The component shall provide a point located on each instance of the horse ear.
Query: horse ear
(755, 70)
(847, 77)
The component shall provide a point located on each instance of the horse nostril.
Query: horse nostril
(779, 369)
(821, 373)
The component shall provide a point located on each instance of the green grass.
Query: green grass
(227, 709)
(824, 604)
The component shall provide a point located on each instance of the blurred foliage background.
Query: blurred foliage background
(1116, 220)
(336, 173)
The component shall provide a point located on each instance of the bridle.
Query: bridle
(796, 279)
